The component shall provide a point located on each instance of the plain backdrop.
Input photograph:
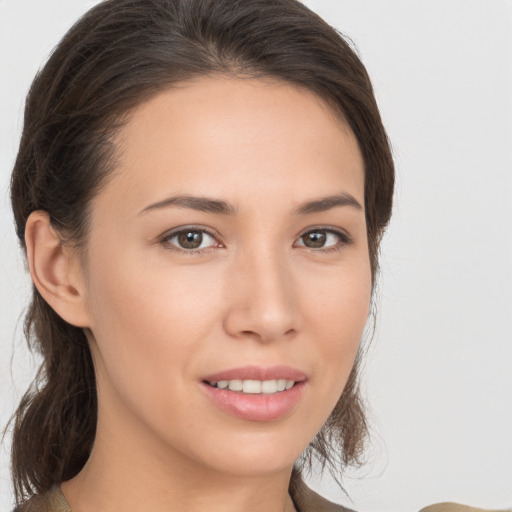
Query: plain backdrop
(438, 375)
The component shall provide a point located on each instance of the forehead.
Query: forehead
(235, 137)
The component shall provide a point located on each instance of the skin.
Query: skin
(159, 317)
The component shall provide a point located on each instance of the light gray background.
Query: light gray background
(439, 371)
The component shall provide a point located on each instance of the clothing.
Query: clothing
(304, 498)
(307, 500)
(52, 501)
(455, 507)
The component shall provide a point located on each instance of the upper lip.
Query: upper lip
(252, 372)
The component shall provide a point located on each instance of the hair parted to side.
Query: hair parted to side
(116, 56)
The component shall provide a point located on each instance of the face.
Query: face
(227, 259)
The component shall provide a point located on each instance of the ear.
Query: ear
(55, 270)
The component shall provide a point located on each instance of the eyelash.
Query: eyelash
(344, 239)
(165, 240)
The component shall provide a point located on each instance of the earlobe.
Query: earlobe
(55, 270)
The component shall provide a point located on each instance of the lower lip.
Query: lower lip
(257, 407)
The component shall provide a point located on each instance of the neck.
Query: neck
(131, 471)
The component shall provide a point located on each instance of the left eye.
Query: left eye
(190, 239)
(321, 239)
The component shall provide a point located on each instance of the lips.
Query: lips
(252, 372)
(256, 393)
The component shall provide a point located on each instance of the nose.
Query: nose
(261, 299)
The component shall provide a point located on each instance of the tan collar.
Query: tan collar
(307, 500)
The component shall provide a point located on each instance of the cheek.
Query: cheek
(337, 320)
(148, 322)
(339, 300)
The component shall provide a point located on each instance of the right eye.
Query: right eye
(190, 239)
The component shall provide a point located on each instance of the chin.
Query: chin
(257, 451)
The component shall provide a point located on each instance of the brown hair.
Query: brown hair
(116, 56)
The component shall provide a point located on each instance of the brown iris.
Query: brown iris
(315, 239)
(190, 239)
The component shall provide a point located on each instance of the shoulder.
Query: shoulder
(455, 507)
(52, 501)
(307, 500)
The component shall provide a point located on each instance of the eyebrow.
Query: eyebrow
(329, 202)
(202, 204)
(206, 204)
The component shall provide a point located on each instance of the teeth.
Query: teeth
(254, 387)
(269, 386)
(251, 386)
(235, 385)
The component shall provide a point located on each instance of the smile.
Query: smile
(249, 386)
(256, 393)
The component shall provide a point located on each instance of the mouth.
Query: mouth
(256, 393)
(254, 387)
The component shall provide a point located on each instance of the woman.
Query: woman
(201, 189)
